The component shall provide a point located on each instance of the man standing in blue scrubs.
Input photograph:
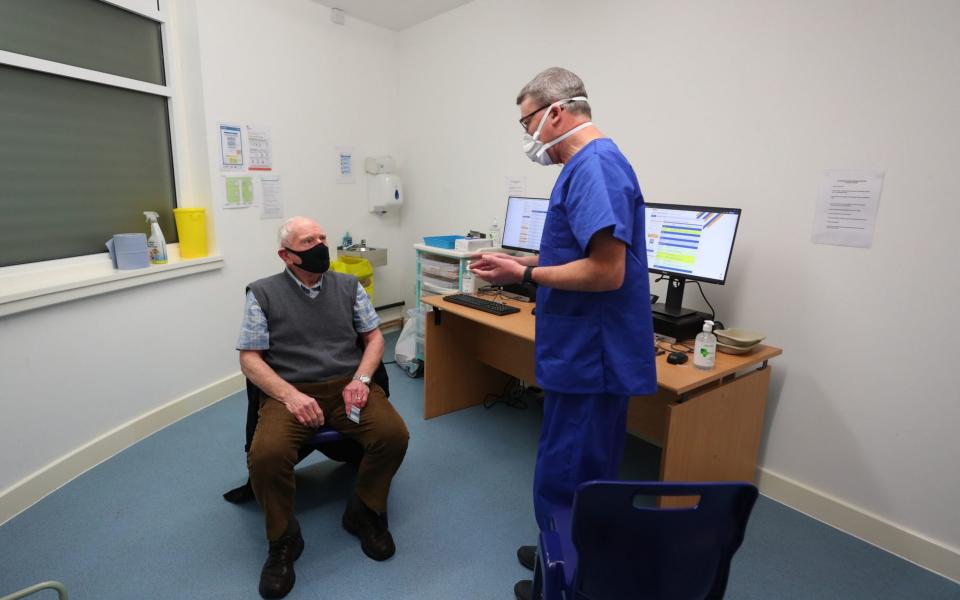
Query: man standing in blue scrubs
(594, 334)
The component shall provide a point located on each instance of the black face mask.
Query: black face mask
(314, 260)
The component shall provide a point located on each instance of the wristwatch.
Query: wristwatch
(528, 275)
(364, 379)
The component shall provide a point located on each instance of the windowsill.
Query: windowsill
(35, 285)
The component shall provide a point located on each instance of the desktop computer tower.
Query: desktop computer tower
(680, 328)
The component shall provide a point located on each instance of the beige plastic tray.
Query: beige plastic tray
(739, 337)
(728, 349)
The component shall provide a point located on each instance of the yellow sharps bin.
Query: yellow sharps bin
(192, 231)
(359, 268)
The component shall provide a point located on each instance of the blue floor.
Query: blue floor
(150, 523)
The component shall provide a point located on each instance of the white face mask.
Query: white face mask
(535, 149)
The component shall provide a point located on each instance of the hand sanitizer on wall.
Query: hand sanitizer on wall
(705, 349)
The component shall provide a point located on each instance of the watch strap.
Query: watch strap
(528, 275)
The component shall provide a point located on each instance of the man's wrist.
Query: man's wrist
(364, 379)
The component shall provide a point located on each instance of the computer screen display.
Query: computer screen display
(693, 242)
(523, 226)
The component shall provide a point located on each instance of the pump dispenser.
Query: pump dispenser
(156, 244)
(705, 349)
(495, 232)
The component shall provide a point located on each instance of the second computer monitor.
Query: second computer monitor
(523, 225)
(693, 242)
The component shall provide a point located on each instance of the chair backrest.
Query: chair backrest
(630, 550)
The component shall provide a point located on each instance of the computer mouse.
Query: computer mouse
(677, 358)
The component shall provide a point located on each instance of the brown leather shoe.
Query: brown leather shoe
(371, 527)
(277, 577)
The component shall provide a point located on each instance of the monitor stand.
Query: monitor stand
(673, 307)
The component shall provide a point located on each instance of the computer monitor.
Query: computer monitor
(688, 242)
(523, 225)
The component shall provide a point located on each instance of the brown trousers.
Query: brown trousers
(279, 436)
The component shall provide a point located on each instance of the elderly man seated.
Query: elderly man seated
(299, 345)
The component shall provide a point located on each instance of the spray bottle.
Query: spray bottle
(156, 245)
(705, 349)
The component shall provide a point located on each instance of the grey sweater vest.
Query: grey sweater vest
(311, 339)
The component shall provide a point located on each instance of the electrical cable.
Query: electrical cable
(513, 396)
(713, 313)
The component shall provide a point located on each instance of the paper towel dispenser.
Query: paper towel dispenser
(384, 187)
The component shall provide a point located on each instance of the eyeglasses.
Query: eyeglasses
(525, 120)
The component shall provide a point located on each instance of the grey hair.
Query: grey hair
(283, 234)
(556, 84)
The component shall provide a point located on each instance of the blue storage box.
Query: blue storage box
(128, 251)
(442, 241)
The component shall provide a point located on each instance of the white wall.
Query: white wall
(75, 371)
(317, 86)
(745, 104)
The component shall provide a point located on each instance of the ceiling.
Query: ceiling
(394, 14)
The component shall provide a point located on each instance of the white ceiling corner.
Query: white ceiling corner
(394, 14)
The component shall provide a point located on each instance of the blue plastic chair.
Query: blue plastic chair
(610, 546)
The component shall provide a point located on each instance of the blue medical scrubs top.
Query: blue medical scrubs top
(595, 342)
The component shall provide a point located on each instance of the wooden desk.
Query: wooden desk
(708, 423)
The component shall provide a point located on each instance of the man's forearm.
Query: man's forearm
(259, 372)
(581, 275)
(528, 261)
(372, 353)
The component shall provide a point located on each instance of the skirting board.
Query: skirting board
(33, 488)
(873, 529)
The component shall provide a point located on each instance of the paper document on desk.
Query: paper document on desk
(847, 208)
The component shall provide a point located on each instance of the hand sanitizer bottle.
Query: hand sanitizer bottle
(495, 233)
(705, 349)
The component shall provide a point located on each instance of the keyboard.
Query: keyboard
(487, 306)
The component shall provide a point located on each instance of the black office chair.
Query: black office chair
(326, 439)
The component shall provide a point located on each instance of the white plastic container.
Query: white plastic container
(705, 348)
(156, 244)
(494, 233)
(468, 283)
(440, 267)
(439, 285)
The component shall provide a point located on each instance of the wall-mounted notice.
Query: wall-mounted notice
(516, 186)
(239, 191)
(345, 165)
(272, 205)
(258, 146)
(231, 147)
(847, 208)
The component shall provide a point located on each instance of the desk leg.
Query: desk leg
(454, 378)
(715, 435)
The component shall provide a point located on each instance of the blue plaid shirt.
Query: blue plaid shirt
(254, 334)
